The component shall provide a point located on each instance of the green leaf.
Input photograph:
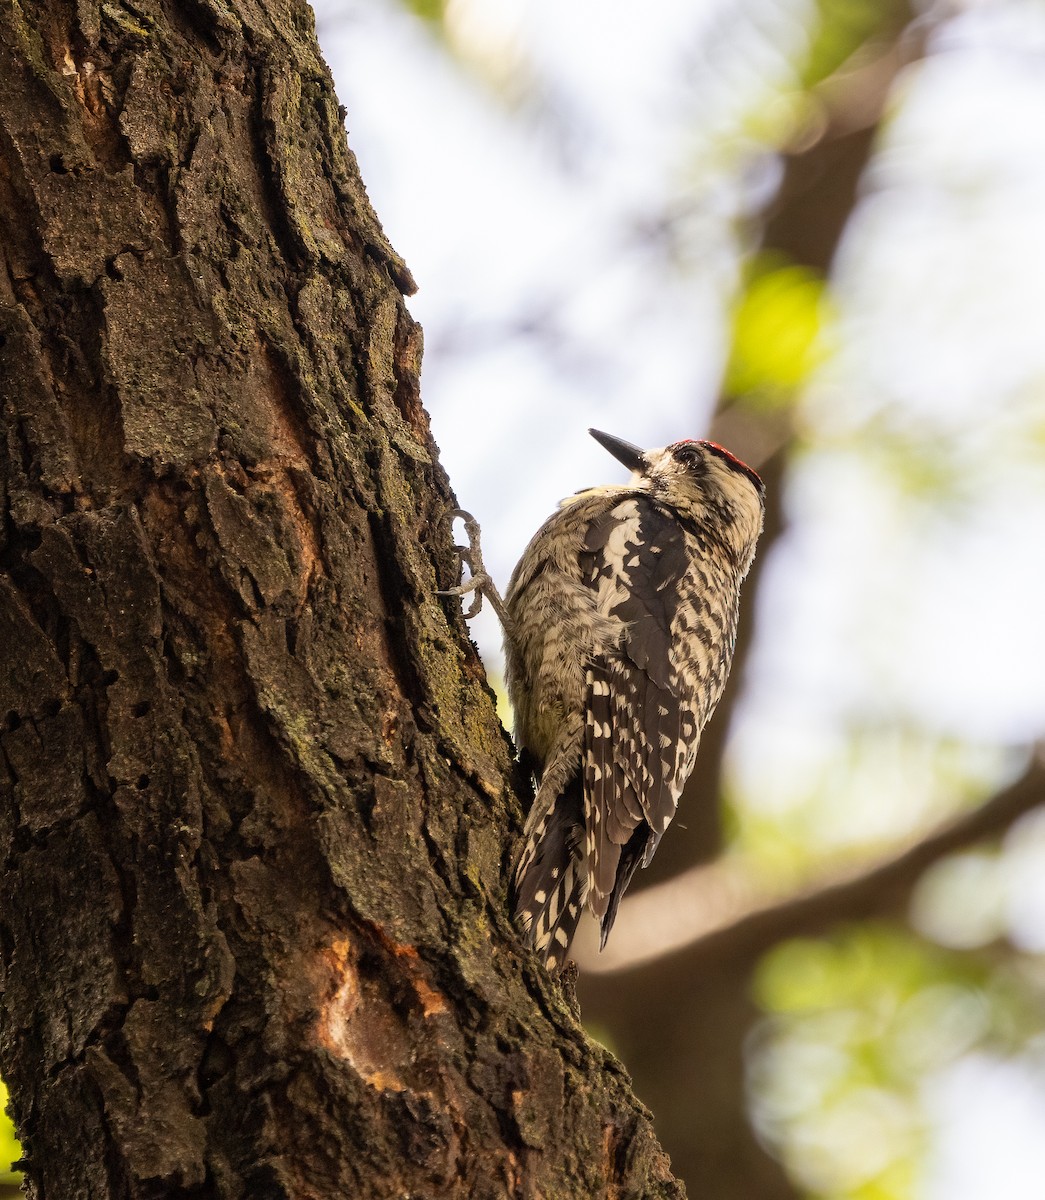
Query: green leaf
(778, 331)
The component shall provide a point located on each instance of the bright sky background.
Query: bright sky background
(547, 308)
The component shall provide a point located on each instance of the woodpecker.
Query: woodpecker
(619, 626)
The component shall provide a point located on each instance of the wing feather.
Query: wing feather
(635, 766)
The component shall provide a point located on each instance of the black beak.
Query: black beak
(631, 456)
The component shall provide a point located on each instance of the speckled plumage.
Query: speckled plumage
(622, 616)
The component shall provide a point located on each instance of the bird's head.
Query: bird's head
(703, 482)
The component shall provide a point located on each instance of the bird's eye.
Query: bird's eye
(687, 453)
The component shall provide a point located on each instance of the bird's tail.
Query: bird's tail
(550, 880)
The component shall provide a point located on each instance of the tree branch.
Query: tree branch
(724, 909)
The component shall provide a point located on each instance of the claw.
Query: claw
(475, 584)
(480, 582)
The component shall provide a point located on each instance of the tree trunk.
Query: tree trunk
(257, 810)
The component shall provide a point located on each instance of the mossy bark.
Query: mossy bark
(257, 810)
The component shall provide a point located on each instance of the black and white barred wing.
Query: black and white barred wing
(641, 730)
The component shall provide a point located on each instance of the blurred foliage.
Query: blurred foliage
(859, 1023)
(778, 331)
(897, 782)
(10, 1150)
(431, 12)
(844, 27)
(915, 462)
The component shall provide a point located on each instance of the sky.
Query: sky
(529, 192)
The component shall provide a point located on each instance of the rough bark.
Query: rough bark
(256, 808)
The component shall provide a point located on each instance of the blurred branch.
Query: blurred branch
(822, 170)
(724, 909)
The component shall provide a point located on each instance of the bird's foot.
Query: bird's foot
(480, 583)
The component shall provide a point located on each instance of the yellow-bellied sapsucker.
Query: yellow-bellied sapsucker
(619, 622)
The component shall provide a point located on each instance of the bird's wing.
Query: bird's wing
(640, 725)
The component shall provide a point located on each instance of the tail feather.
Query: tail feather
(552, 927)
(550, 883)
(631, 856)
